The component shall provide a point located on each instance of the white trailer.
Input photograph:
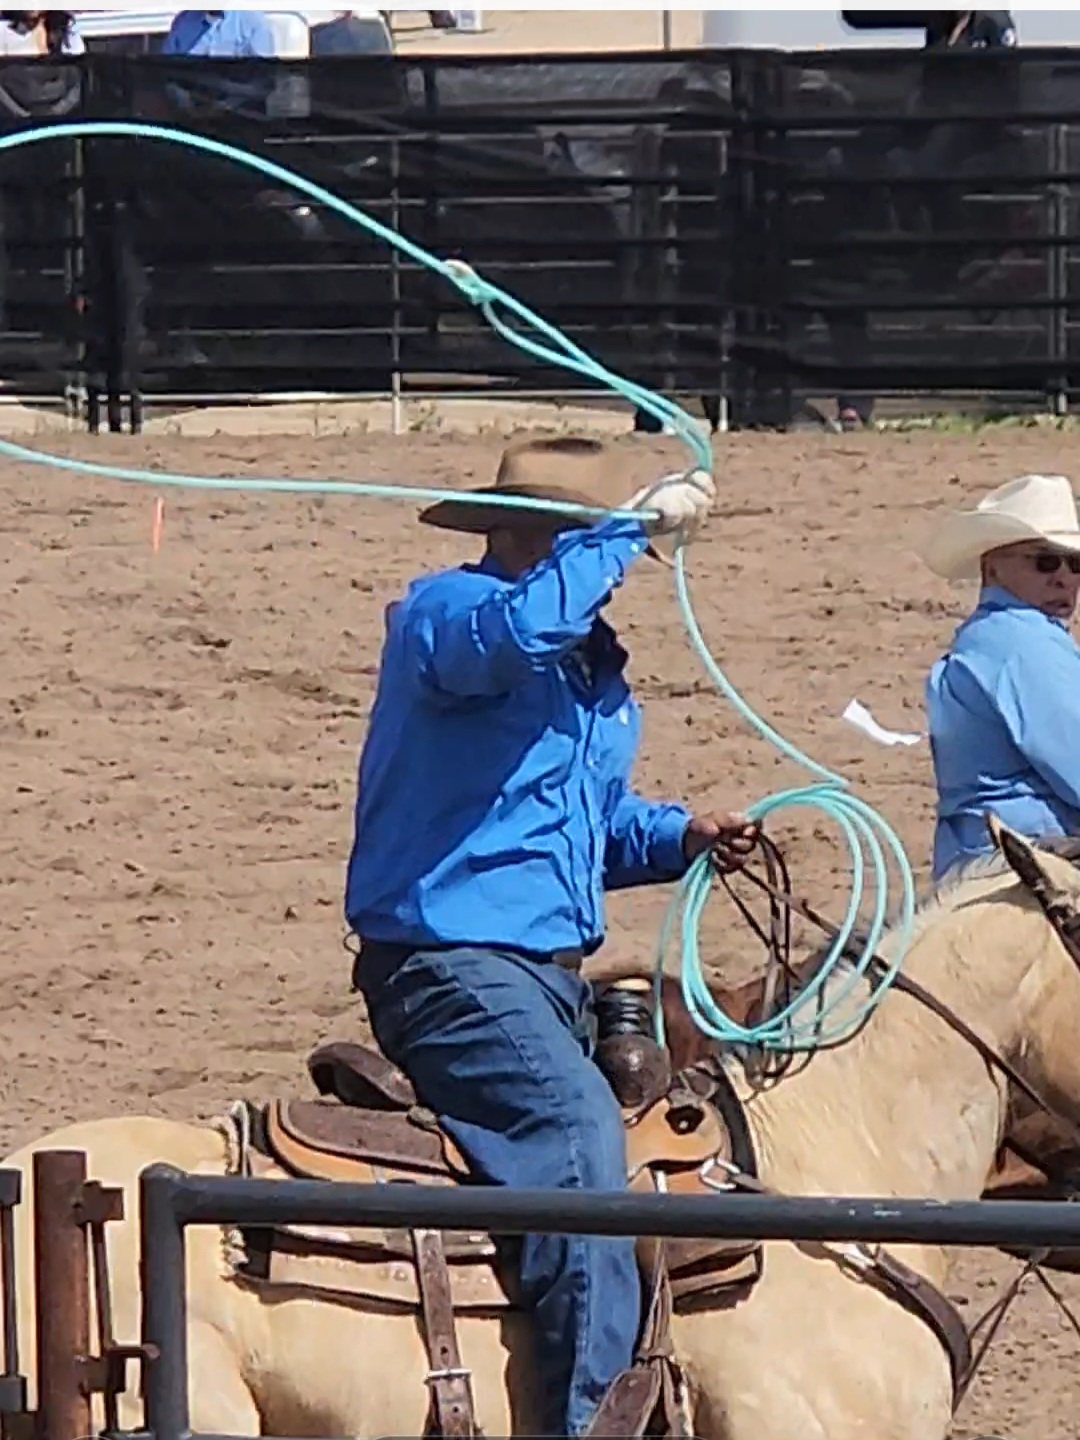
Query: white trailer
(843, 29)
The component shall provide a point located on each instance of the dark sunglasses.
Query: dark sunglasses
(1049, 562)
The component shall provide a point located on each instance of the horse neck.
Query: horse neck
(908, 1107)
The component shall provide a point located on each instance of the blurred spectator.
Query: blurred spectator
(39, 32)
(239, 35)
(222, 35)
(36, 215)
(969, 30)
(349, 33)
(38, 92)
(469, 21)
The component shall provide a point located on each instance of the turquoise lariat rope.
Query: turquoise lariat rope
(812, 1019)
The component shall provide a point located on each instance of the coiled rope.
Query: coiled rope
(818, 1015)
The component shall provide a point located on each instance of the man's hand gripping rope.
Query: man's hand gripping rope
(681, 503)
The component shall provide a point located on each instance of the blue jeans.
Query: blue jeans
(499, 1047)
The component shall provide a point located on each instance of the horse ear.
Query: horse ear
(1040, 870)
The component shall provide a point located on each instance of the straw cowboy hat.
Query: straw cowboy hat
(1034, 507)
(570, 469)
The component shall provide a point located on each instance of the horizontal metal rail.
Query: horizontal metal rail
(171, 1201)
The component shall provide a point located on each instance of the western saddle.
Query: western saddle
(685, 1134)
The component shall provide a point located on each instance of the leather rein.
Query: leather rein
(878, 1267)
(781, 974)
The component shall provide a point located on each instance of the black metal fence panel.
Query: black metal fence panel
(589, 191)
(753, 224)
(929, 204)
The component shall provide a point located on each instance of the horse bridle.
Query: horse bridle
(891, 1276)
(780, 972)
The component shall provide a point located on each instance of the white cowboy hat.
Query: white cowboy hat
(1034, 507)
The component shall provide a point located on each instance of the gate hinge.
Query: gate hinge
(107, 1374)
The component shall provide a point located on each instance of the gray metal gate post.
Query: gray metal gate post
(12, 1383)
(163, 1269)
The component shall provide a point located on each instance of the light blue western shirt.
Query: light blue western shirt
(1004, 719)
(494, 804)
(218, 34)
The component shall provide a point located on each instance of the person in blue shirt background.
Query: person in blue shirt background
(493, 811)
(240, 35)
(1003, 705)
(221, 35)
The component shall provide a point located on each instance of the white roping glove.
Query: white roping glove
(682, 501)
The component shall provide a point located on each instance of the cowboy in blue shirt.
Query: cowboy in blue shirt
(494, 810)
(1004, 703)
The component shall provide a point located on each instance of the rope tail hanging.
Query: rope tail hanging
(823, 1012)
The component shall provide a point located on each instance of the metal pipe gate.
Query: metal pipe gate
(71, 1278)
(70, 1275)
(171, 1201)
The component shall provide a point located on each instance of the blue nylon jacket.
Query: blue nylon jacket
(493, 804)
(1003, 708)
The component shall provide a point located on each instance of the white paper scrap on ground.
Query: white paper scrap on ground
(858, 715)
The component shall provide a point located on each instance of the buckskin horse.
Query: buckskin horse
(348, 1337)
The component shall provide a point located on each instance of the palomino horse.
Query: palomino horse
(907, 1108)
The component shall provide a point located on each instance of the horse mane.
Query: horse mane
(954, 890)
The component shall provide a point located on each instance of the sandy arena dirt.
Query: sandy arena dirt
(181, 732)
